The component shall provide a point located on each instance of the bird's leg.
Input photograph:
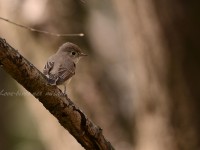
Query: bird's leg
(64, 89)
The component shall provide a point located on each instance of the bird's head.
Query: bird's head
(72, 51)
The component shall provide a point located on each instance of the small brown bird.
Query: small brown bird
(61, 66)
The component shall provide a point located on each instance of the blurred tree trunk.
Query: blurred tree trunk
(162, 38)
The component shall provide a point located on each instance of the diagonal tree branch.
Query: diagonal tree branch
(70, 116)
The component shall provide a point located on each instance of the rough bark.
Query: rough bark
(70, 116)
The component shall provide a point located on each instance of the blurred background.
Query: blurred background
(140, 82)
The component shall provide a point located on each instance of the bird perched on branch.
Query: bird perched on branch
(61, 66)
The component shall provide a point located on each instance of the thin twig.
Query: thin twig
(42, 31)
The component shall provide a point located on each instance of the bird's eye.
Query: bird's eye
(73, 53)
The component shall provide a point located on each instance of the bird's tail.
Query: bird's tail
(51, 81)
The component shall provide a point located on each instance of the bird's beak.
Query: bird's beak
(82, 54)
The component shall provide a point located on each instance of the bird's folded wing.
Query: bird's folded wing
(66, 71)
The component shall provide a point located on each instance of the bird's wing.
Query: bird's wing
(66, 71)
(48, 67)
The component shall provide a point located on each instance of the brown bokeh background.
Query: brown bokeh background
(140, 82)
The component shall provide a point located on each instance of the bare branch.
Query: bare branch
(70, 116)
(41, 31)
